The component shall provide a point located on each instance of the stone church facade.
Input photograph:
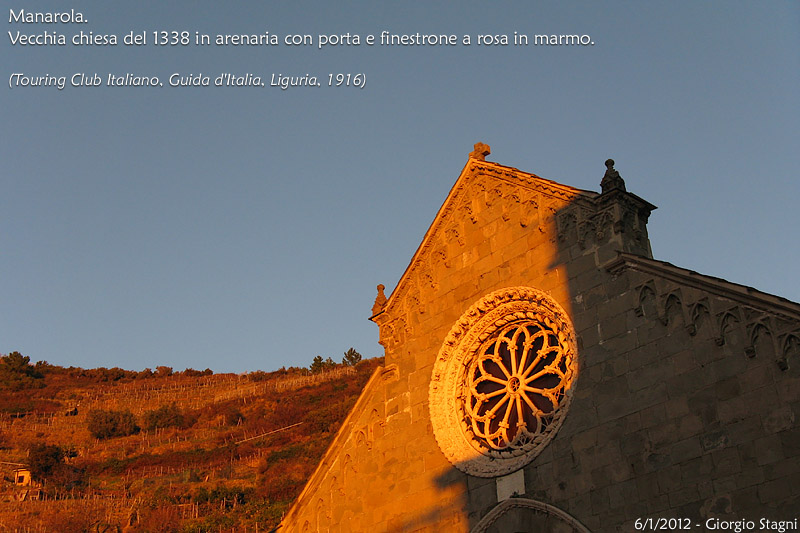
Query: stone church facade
(544, 373)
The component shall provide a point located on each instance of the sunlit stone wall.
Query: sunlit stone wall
(684, 404)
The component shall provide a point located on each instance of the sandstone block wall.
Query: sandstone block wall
(685, 403)
(685, 407)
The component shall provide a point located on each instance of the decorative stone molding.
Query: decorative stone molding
(380, 300)
(611, 179)
(569, 523)
(392, 332)
(478, 178)
(502, 381)
(390, 373)
(740, 318)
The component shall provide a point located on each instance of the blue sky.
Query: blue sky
(246, 228)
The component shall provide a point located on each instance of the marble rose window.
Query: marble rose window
(515, 385)
(502, 381)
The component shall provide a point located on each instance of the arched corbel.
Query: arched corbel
(698, 315)
(673, 306)
(647, 306)
(790, 349)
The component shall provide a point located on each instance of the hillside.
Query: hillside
(159, 451)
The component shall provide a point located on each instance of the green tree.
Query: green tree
(351, 357)
(17, 373)
(320, 365)
(317, 365)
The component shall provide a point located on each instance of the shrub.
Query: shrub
(230, 495)
(44, 459)
(258, 375)
(231, 414)
(114, 374)
(47, 462)
(163, 371)
(191, 476)
(167, 416)
(192, 373)
(108, 424)
(103, 374)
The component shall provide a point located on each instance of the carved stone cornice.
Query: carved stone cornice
(717, 286)
(531, 181)
(481, 174)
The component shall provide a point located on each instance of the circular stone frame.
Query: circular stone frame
(455, 369)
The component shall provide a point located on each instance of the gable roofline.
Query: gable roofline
(718, 286)
(500, 172)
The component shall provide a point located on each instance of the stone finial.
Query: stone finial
(611, 180)
(380, 301)
(480, 151)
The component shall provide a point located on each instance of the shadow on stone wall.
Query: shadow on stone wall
(685, 397)
(584, 234)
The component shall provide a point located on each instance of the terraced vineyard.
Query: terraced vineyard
(208, 453)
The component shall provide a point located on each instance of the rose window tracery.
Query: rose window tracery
(515, 385)
(502, 382)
